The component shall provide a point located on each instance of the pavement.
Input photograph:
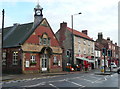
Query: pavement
(107, 72)
(9, 77)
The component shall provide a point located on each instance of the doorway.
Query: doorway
(44, 62)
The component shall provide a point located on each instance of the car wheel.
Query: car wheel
(118, 71)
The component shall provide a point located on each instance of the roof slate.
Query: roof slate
(14, 39)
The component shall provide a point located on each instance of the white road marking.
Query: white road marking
(35, 85)
(26, 80)
(75, 83)
(53, 86)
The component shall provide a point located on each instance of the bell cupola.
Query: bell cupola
(38, 16)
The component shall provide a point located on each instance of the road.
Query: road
(76, 80)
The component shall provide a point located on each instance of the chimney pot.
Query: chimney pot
(63, 25)
(115, 43)
(84, 32)
(111, 41)
(108, 38)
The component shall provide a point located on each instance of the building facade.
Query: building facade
(109, 45)
(31, 47)
(83, 46)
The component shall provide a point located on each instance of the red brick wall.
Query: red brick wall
(52, 60)
(39, 32)
(37, 58)
(10, 68)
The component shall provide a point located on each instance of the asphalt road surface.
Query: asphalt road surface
(77, 81)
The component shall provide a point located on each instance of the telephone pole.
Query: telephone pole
(3, 14)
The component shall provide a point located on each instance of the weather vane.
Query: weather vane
(38, 1)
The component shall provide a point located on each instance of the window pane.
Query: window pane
(44, 41)
(15, 57)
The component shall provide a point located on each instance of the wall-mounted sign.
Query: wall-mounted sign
(27, 64)
(58, 63)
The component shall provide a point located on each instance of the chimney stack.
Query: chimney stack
(100, 36)
(111, 41)
(84, 32)
(116, 44)
(108, 38)
(63, 25)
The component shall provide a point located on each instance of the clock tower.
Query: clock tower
(38, 16)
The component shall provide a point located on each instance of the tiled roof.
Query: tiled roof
(75, 32)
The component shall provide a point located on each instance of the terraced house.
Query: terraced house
(31, 47)
(83, 46)
(109, 45)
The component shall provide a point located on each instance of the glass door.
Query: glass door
(44, 62)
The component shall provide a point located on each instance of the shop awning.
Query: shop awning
(91, 61)
(85, 59)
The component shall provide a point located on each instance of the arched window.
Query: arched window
(44, 40)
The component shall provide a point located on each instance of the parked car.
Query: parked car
(113, 65)
(118, 70)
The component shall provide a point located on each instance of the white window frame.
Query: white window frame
(4, 57)
(92, 50)
(15, 58)
(88, 50)
(84, 51)
(88, 43)
(79, 41)
(84, 42)
(55, 60)
(32, 59)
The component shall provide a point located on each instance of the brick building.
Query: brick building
(83, 46)
(109, 45)
(31, 47)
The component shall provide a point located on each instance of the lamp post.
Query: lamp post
(73, 37)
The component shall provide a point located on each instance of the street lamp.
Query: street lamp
(73, 37)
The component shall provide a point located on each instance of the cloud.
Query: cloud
(97, 16)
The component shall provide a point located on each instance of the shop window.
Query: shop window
(55, 61)
(15, 58)
(4, 58)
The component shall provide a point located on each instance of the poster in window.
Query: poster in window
(27, 63)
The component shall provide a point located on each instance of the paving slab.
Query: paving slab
(101, 73)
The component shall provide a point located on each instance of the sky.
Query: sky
(97, 15)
